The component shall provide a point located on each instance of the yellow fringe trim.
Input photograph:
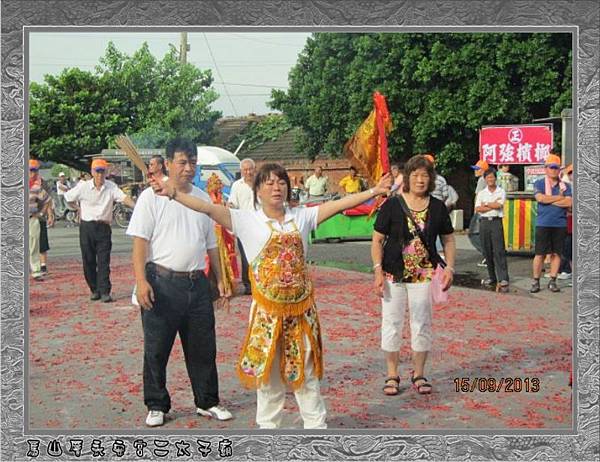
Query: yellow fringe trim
(280, 308)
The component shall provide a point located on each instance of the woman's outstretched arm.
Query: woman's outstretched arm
(218, 213)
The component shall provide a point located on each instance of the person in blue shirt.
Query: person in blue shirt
(553, 197)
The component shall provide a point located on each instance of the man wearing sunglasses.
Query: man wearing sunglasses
(96, 199)
(553, 197)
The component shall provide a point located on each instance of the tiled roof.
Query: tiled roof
(277, 150)
(227, 127)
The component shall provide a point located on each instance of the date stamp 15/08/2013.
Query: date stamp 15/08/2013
(491, 384)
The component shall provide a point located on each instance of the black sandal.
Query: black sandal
(422, 389)
(395, 388)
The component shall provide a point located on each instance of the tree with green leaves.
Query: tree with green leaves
(440, 88)
(78, 113)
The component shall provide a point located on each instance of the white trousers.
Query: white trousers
(270, 398)
(396, 296)
(34, 247)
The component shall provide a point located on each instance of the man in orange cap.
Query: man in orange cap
(39, 203)
(96, 199)
(554, 198)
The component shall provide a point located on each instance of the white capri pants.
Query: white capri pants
(396, 296)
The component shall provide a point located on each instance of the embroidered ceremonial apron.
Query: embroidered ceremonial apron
(283, 312)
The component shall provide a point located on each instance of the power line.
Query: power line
(219, 73)
(250, 85)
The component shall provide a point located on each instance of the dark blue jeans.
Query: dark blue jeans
(180, 306)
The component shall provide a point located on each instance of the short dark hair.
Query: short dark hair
(264, 173)
(415, 163)
(352, 167)
(184, 145)
(489, 171)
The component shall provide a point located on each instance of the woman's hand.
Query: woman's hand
(384, 184)
(160, 187)
(378, 284)
(448, 277)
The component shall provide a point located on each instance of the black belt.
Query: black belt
(96, 222)
(168, 273)
(491, 218)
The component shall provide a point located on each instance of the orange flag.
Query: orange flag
(367, 150)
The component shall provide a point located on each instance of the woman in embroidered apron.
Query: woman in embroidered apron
(404, 260)
(283, 342)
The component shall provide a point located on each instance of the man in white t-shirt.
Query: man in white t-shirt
(489, 203)
(242, 198)
(170, 245)
(96, 199)
(316, 184)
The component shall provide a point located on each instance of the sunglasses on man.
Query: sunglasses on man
(99, 170)
(553, 166)
(33, 169)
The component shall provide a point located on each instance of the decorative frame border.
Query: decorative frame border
(334, 445)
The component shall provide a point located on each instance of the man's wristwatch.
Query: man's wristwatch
(172, 196)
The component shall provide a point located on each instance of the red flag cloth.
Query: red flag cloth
(367, 150)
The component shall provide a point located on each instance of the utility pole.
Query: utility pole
(184, 47)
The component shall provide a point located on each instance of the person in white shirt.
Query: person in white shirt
(170, 245)
(242, 197)
(489, 203)
(283, 342)
(316, 184)
(96, 199)
(62, 186)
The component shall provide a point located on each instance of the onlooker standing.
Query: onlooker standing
(566, 262)
(507, 180)
(39, 201)
(156, 167)
(396, 171)
(441, 192)
(96, 199)
(480, 167)
(242, 197)
(350, 184)
(554, 198)
(489, 203)
(316, 184)
(62, 186)
(46, 220)
(404, 266)
(170, 245)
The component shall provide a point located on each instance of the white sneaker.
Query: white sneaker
(564, 275)
(218, 412)
(155, 418)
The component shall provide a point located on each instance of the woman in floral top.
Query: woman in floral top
(404, 267)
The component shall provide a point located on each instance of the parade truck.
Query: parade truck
(526, 146)
(351, 224)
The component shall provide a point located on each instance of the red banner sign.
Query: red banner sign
(515, 144)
